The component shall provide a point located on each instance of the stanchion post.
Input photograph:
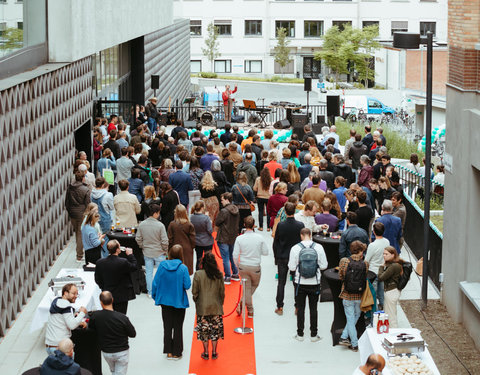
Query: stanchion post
(243, 330)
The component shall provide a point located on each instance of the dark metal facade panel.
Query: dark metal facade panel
(37, 123)
(167, 53)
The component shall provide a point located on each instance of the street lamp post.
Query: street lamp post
(413, 41)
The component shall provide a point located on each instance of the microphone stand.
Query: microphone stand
(218, 106)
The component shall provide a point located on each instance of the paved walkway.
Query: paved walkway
(276, 350)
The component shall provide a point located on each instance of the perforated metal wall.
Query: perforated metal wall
(167, 53)
(37, 123)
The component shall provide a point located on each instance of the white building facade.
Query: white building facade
(248, 27)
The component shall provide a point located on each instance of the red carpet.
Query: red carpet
(236, 353)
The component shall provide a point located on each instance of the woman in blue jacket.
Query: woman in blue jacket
(169, 290)
(91, 239)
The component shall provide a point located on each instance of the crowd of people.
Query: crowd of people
(178, 190)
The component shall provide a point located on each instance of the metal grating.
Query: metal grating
(37, 123)
(167, 53)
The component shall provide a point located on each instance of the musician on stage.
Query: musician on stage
(227, 102)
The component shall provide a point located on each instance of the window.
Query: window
(224, 27)
(223, 66)
(253, 66)
(341, 24)
(401, 26)
(288, 25)
(374, 104)
(3, 27)
(195, 66)
(313, 29)
(20, 25)
(253, 27)
(427, 26)
(311, 67)
(287, 69)
(370, 23)
(195, 27)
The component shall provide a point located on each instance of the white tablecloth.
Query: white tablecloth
(371, 342)
(88, 297)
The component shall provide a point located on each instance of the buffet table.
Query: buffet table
(88, 297)
(371, 342)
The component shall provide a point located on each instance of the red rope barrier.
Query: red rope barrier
(239, 297)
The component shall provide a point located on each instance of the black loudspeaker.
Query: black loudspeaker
(317, 128)
(321, 119)
(155, 82)
(299, 121)
(282, 124)
(333, 105)
(190, 124)
(221, 124)
(307, 84)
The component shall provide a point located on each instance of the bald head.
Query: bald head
(106, 299)
(66, 346)
(375, 362)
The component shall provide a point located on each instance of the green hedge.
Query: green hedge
(398, 147)
(208, 75)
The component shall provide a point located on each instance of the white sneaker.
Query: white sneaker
(298, 338)
(315, 338)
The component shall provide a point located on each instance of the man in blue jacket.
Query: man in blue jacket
(393, 225)
(61, 361)
(181, 182)
(352, 233)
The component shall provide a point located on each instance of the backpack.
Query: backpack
(307, 262)
(355, 276)
(405, 276)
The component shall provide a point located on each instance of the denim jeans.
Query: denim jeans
(149, 265)
(352, 312)
(378, 286)
(118, 362)
(152, 125)
(226, 251)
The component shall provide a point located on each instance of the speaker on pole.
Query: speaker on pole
(333, 105)
(307, 84)
(155, 82)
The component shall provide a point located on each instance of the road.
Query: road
(294, 92)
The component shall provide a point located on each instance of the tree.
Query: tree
(211, 44)
(335, 51)
(368, 45)
(281, 50)
(13, 39)
(354, 46)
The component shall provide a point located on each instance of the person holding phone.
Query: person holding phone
(374, 366)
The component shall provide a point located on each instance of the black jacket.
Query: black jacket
(113, 274)
(114, 147)
(286, 236)
(346, 172)
(368, 140)
(356, 151)
(329, 178)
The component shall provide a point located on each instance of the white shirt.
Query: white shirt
(308, 221)
(249, 248)
(293, 262)
(374, 255)
(439, 178)
(331, 135)
(358, 371)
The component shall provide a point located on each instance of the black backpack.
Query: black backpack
(355, 276)
(405, 276)
(307, 262)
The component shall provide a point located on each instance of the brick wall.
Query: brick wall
(416, 70)
(463, 35)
